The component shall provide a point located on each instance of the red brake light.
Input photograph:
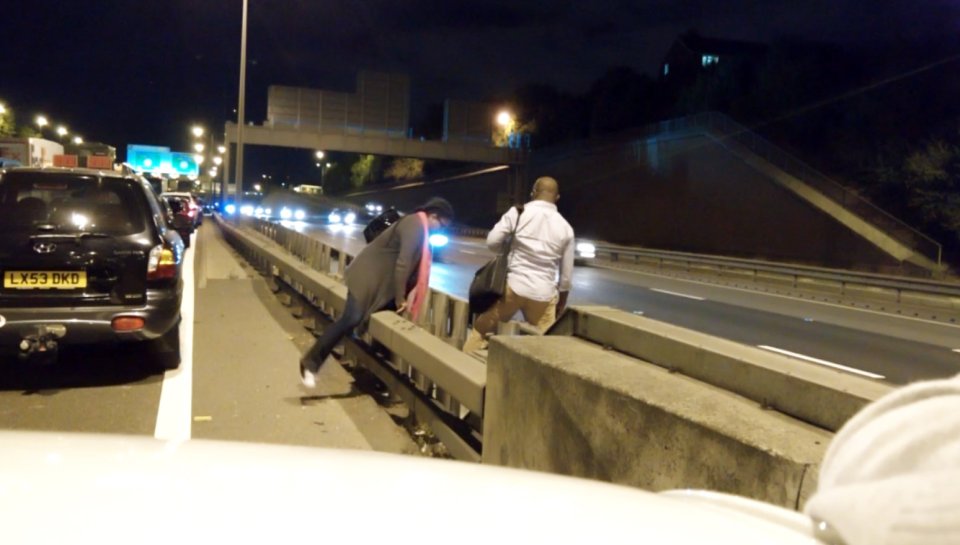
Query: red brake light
(127, 323)
(162, 263)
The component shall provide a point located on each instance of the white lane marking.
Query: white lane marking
(694, 297)
(176, 393)
(471, 252)
(821, 362)
(957, 350)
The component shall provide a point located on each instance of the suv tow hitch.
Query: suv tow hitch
(43, 341)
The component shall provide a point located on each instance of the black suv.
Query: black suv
(86, 256)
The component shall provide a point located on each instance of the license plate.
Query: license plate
(44, 280)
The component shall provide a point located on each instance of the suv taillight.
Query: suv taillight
(162, 263)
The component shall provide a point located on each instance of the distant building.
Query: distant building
(692, 53)
(380, 106)
(91, 149)
(308, 189)
(29, 151)
(466, 121)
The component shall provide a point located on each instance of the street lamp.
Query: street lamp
(506, 123)
(61, 131)
(217, 160)
(198, 147)
(41, 122)
(77, 140)
(323, 170)
(320, 154)
(197, 131)
(3, 109)
(221, 149)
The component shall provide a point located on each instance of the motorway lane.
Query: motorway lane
(900, 349)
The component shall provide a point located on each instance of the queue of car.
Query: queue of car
(88, 257)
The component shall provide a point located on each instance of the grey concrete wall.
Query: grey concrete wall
(683, 193)
(690, 194)
(563, 405)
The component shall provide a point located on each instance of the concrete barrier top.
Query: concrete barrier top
(822, 396)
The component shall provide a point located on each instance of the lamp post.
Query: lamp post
(240, 106)
(41, 122)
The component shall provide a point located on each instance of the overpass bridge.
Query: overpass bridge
(374, 119)
(380, 144)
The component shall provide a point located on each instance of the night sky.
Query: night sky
(142, 71)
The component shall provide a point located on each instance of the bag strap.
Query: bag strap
(508, 241)
(516, 226)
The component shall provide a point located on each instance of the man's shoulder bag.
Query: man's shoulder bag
(490, 281)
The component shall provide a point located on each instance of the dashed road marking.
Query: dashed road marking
(821, 362)
(694, 297)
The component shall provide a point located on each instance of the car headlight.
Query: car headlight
(587, 250)
(246, 210)
(299, 215)
(258, 211)
(438, 240)
(349, 218)
(286, 213)
(267, 212)
(231, 209)
(333, 217)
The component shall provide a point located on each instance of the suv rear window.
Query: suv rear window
(70, 203)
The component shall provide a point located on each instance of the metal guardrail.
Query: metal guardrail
(901, 286)
(445, 385)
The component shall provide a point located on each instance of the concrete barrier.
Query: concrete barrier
(821, 396)
(564, 405)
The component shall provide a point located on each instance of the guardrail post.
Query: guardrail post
(448, 403)
(425, 321)
(459, 323)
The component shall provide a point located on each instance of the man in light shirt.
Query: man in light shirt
(540, 266)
